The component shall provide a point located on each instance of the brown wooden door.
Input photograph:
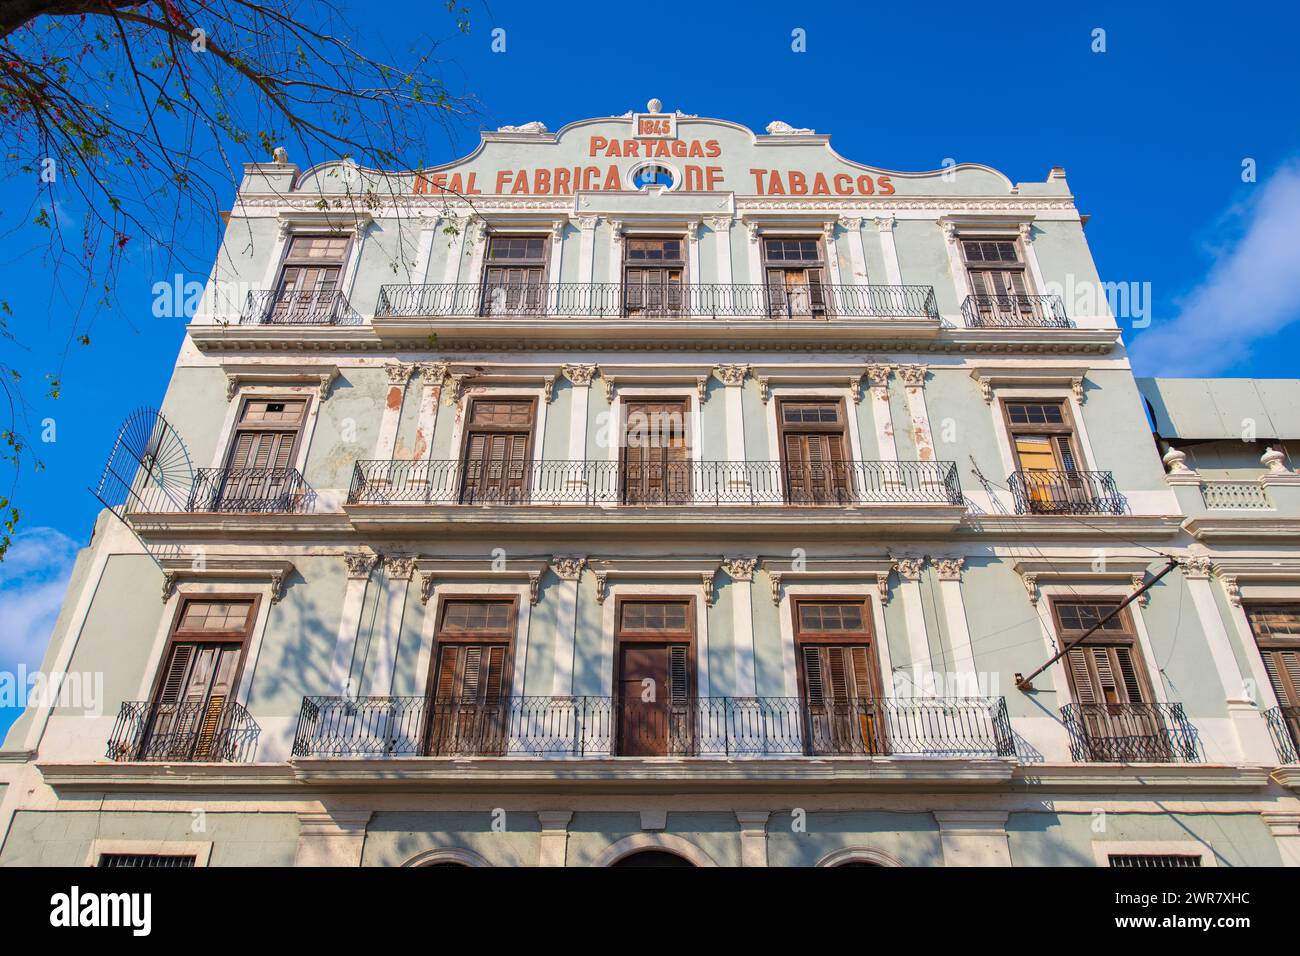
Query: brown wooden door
(496, 452)
(839, 692)
(815, 467)
(796, 293)
(470, 705)
(191, 716)
(656, 462)
(653, 700)
(514, 291)
(653, 291)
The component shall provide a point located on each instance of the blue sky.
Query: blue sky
(1152, 133)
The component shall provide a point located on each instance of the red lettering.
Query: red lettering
(542, 182)
(611, 179)
(562, 181)
(521, 183)
(865, 186)
(712, 149)
(843, 185)
(631, 147)
(819, 185)
(679, 148)
(713, 176)
(615, 148)
(502, 176)
(694, 178)
(589, 174)
(886, 187)
(758, 175)
(471, 189)
(696, 150)
(798, 184)
(774, 185)
(597, 144)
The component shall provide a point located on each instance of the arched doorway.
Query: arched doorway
(653, 858)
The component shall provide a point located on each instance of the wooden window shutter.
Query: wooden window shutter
(241, 457)
(812, 672)
(469, 683)
(678, 673)
(839, 674)
(1066, 453)
(1128, 674)
(446, 689)
(1283, 669)
(174, 682)
(862, 682)
(496, 667)
(1083, 684)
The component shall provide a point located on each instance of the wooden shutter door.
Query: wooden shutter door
(656, 469)
(1283, 668)
(681, 723)
(1108, 684)
(816, 471)
(839, 697)
(469, 709)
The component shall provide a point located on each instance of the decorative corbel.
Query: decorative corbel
(706, 579)
(534, 587)
(602, 579)
(232, 387)
(1031, 586)
(557, 229)
(616, 225)
(855, 387)
(608, 382)
(168, 585)
(548, 387)
(1138, 580)
(774, 578)
(455, 389)
(277, 586)
(1076, 385)
(426, 587)
(1195, 567)
(693, 230)
(764, 388)
(755, 233)
(882, 587)
(1231, 587)
(701, 386)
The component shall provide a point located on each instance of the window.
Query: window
(1277, 633)
(653, 270)
(193, 712)
(814, 451)
(795, 277)
(653, 174)
(998, 282)
(1116, 717)
(1152, 860)
(838, 676)
(259, 468)
(498, 440)
(655, 678)
(309, 279)
(515, 275)
(1046, 456)
(469, 709)
(656, 459)
(121, 860)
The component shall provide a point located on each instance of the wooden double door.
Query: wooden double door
(656, 466)
(814, 447)
(654, 679)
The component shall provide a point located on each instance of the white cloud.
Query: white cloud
(33, 579)
(1252, 290)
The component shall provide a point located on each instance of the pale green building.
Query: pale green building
(656, 492)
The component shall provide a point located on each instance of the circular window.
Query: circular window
(645, 175)
(655, 858)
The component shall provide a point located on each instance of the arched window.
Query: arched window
(653, 858)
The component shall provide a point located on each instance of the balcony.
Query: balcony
(1284, 728)
(249, 491)
(1065, 493)
(1131, 733)
(603, 300)
(276, 307)
(608, 727)
(211, 731)
(1015, 312)
(606, 483)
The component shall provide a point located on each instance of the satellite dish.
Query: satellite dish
(148, 469)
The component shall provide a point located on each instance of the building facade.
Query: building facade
(653, 492)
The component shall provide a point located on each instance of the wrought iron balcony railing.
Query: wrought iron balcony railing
(1131, 733)
(610, 727)
(379, 482)
(1284, 728)
(1015, 312)
(695, 301)
(1235, 494)
(250, 490)
(282, 307)
(187, 731)
(1065, 493)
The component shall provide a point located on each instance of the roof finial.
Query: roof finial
(654, 106)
